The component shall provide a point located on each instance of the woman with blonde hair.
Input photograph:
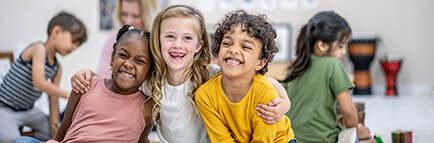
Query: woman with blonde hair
(137, 13)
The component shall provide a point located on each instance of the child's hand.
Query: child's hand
(272, 112)
(80, 81)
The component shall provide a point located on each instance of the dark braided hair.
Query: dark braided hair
(256, 26)
(128, 31)
(324, 26)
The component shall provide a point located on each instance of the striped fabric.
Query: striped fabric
(17, 90)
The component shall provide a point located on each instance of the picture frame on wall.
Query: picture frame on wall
(106, 12)
(283, 42)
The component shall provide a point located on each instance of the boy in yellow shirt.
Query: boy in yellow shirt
(244, 44)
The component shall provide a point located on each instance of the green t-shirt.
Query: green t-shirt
(313, 100)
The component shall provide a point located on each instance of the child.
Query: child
(30, 75)
(114, 110)
(317, 79)
(137, 13)
(180, 45)
(245, 45)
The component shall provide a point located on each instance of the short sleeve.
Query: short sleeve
(144, 88)
(338, 78)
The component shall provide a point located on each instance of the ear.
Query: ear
(56, 31)
(261, 63)
(112, 59)
(199, 46)
(321, 47)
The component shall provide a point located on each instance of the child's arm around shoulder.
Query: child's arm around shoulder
(276, 108)
(80, 81)
(69, 112)
(36, 54)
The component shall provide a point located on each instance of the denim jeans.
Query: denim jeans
(24, 139)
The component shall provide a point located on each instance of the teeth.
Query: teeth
(127, 75)
(177, 55)
(233, 61)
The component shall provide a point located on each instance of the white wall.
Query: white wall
(26, 21)
(406, 28)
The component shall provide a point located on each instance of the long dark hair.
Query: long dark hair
(325, 26)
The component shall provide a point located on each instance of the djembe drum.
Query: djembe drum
(362, 52)
(391, 68)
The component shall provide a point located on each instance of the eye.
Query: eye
(123, 56)
(170, 37)
(188, 38)
(136, 16)
(124, 14)
(247, 47)
(141, 61)
(226, 43)
(75, 42)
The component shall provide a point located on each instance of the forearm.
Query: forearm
(351, 118)
(349, 111)
(67, 120)
(286, 104)
(54, 114)
(52, 90)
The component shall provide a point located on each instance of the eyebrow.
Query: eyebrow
(248, 41)
(123, 49)
(227, 37)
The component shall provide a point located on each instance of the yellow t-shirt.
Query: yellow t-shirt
(237, 122)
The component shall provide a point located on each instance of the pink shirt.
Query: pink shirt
(104, 116)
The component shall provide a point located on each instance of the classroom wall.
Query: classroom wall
(405, 28)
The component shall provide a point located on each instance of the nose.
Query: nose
(128, 20)
(177, 43)
(128, 63)
(234, 50)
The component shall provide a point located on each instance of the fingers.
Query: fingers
(275, 101)
(78, 86)
(363, 131)
(80, 81)
(88, 77)
(268, 113)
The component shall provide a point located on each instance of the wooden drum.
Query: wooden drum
(362, 52)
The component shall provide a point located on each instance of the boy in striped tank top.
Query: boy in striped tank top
(35, 71)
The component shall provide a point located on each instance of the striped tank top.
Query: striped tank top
(17, 90)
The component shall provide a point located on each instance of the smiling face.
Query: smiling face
(179, 43)
(240, 53)
(130, 64)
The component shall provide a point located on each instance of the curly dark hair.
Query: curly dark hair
(256, 26)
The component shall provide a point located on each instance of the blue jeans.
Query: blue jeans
(24, 139)
(293, 141)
